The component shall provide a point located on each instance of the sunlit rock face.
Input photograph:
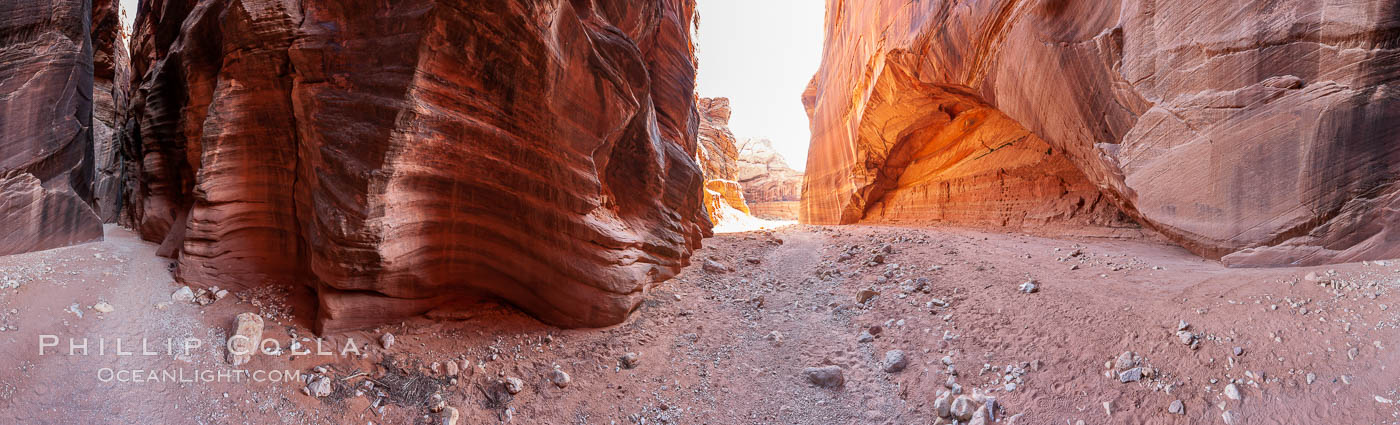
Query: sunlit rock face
(1261, 133)
(718, 156)
(772, 188)
(405, 156)
(46, 155)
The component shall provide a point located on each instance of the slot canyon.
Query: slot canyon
(537, 211)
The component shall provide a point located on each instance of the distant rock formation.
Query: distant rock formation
(111, 77)
(400, 156)
(772, 188)
(1262, 133)
(718, 155)
(46, 155)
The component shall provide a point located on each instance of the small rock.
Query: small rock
(630, 360)
(1230, 417)
(319, 387)
(1181, 325)
(1311, 377)
(1176, 408)
(1130, 375)
(1124, 361)
(247, 334)
(184, 294)
(1239, 351)
(1186, 337)
(513, 385)
(1232, 392)
(825, 376)
(451, 368)
(103, 307)
(963, 408)
(448, 416)
(865, 295)
(1383, 400)
(943, 404)
(711, 266)
(386, 340)
(1029, 287)
(560, 378)
(865, 336)
(895, 361)
(979, 417)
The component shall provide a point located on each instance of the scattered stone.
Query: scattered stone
(1124, 361)
(711, 266)
(1130, 375)
(963, 408)
(560, 378)
(319, 387)
(825, 376)
(865, 336)
(865, 295)
(513, 385)
(1239, 351)
(184, 294)
(979, 417)
(776, 337)
(1030, 287)
(386, 340)
(451, 368)
(448, 416)
(1384, 400)
(1177, 408)
(895, 361)
(943, 404)
(1186, 337)
(1181, 325)
(247, 334)
(1233, 392)
(1311, 377)
(103, 307)
(1230, 417)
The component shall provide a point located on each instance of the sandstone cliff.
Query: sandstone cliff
(46, 155)
(1263, 133)
(111, 77)
(400, 156)
(718, 156)
(772, 188)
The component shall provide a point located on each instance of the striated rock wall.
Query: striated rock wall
(773, 189)
(46, 95)
(111, 77)
(401, 156)
(1261, 133)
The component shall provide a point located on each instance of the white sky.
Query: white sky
(760, 54)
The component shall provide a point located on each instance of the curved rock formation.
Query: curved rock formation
(1261, 133)
(772, 188)
(718, 155)
(46, 152)
(400, 156)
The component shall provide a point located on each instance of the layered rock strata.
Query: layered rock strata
(405, 156)
(1261, 134)
(772, 188)
(46, 154)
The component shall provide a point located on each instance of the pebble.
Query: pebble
(1029, 287)
(103, 307)
(712, 266)
(1232, 392)
(1177, 408)
(1239, 351)
(448, 416)
(184, 294)
(320, 387)
(865, 295)
(1186, 337)
(1311, 377)
(250, 327)
(963, 408)
(825, 376)
(513, 385)
(560, 378)
(895, 361)
(630, 360)
(1124, 361)
(1130, 375)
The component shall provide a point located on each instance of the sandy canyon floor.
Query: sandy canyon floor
(1301, 345)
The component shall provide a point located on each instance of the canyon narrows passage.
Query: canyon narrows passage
(1012, 211)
